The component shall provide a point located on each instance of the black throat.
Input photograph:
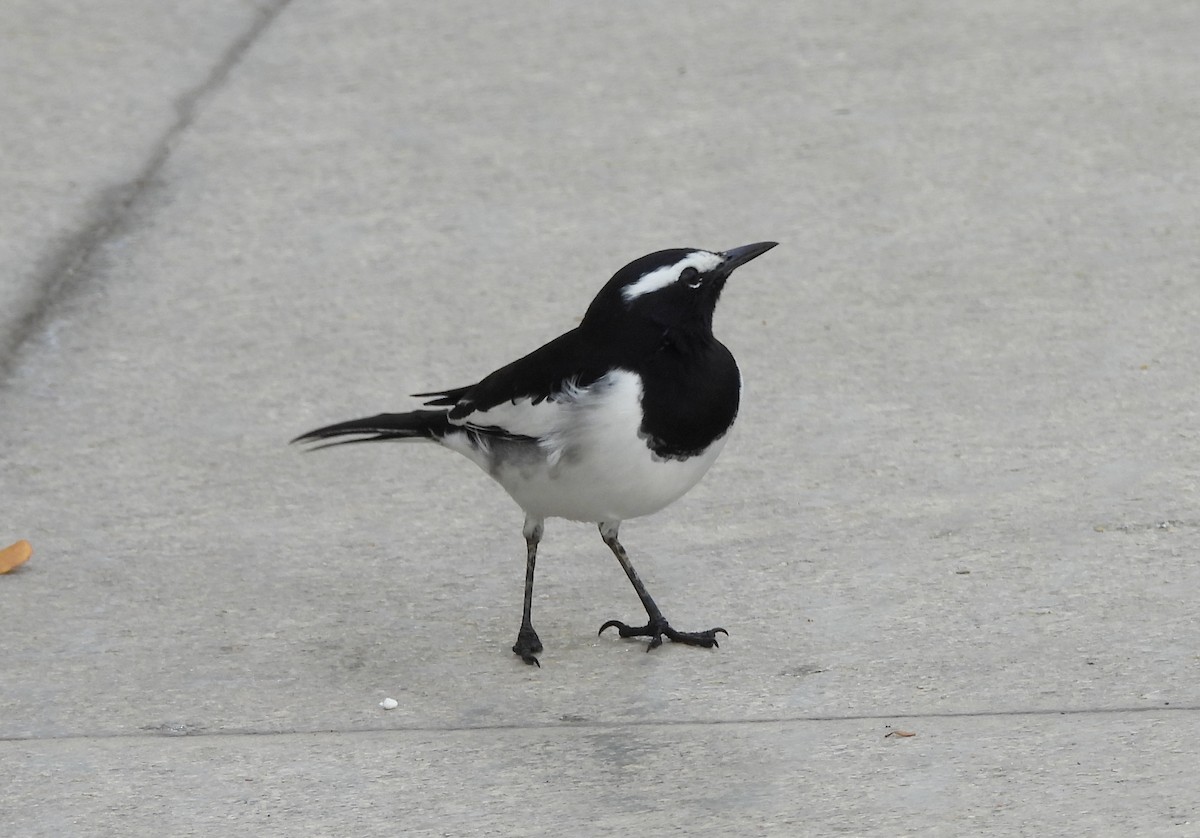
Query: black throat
(690, 393)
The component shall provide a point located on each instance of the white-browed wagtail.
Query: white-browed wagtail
(615, 419)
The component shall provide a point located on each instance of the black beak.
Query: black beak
(739, 256)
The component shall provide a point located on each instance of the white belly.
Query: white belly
(592, 465)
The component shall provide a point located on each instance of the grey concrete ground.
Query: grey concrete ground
(961, 501)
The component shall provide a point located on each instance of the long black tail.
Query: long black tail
(419, 424)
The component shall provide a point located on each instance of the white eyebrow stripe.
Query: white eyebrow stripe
(701, 260)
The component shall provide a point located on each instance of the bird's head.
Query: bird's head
(670, 289)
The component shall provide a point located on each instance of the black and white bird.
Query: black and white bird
(615, 419)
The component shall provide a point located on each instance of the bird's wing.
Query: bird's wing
(443, 398)
(528, 397)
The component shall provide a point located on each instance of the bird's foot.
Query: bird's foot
(528, 645)
(658, 628)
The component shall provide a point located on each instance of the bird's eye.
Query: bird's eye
(692, 277)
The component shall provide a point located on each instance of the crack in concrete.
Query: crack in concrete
(66, 268)
(192, 731)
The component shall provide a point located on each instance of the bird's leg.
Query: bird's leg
(528, 644)
(656, 627)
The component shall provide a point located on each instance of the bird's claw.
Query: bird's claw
(656, 630)
(527, 646)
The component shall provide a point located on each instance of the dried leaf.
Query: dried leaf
(15, 555)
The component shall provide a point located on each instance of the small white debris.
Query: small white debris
(389, 704)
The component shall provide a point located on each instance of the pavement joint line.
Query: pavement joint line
(64, 269)
(168, 731)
